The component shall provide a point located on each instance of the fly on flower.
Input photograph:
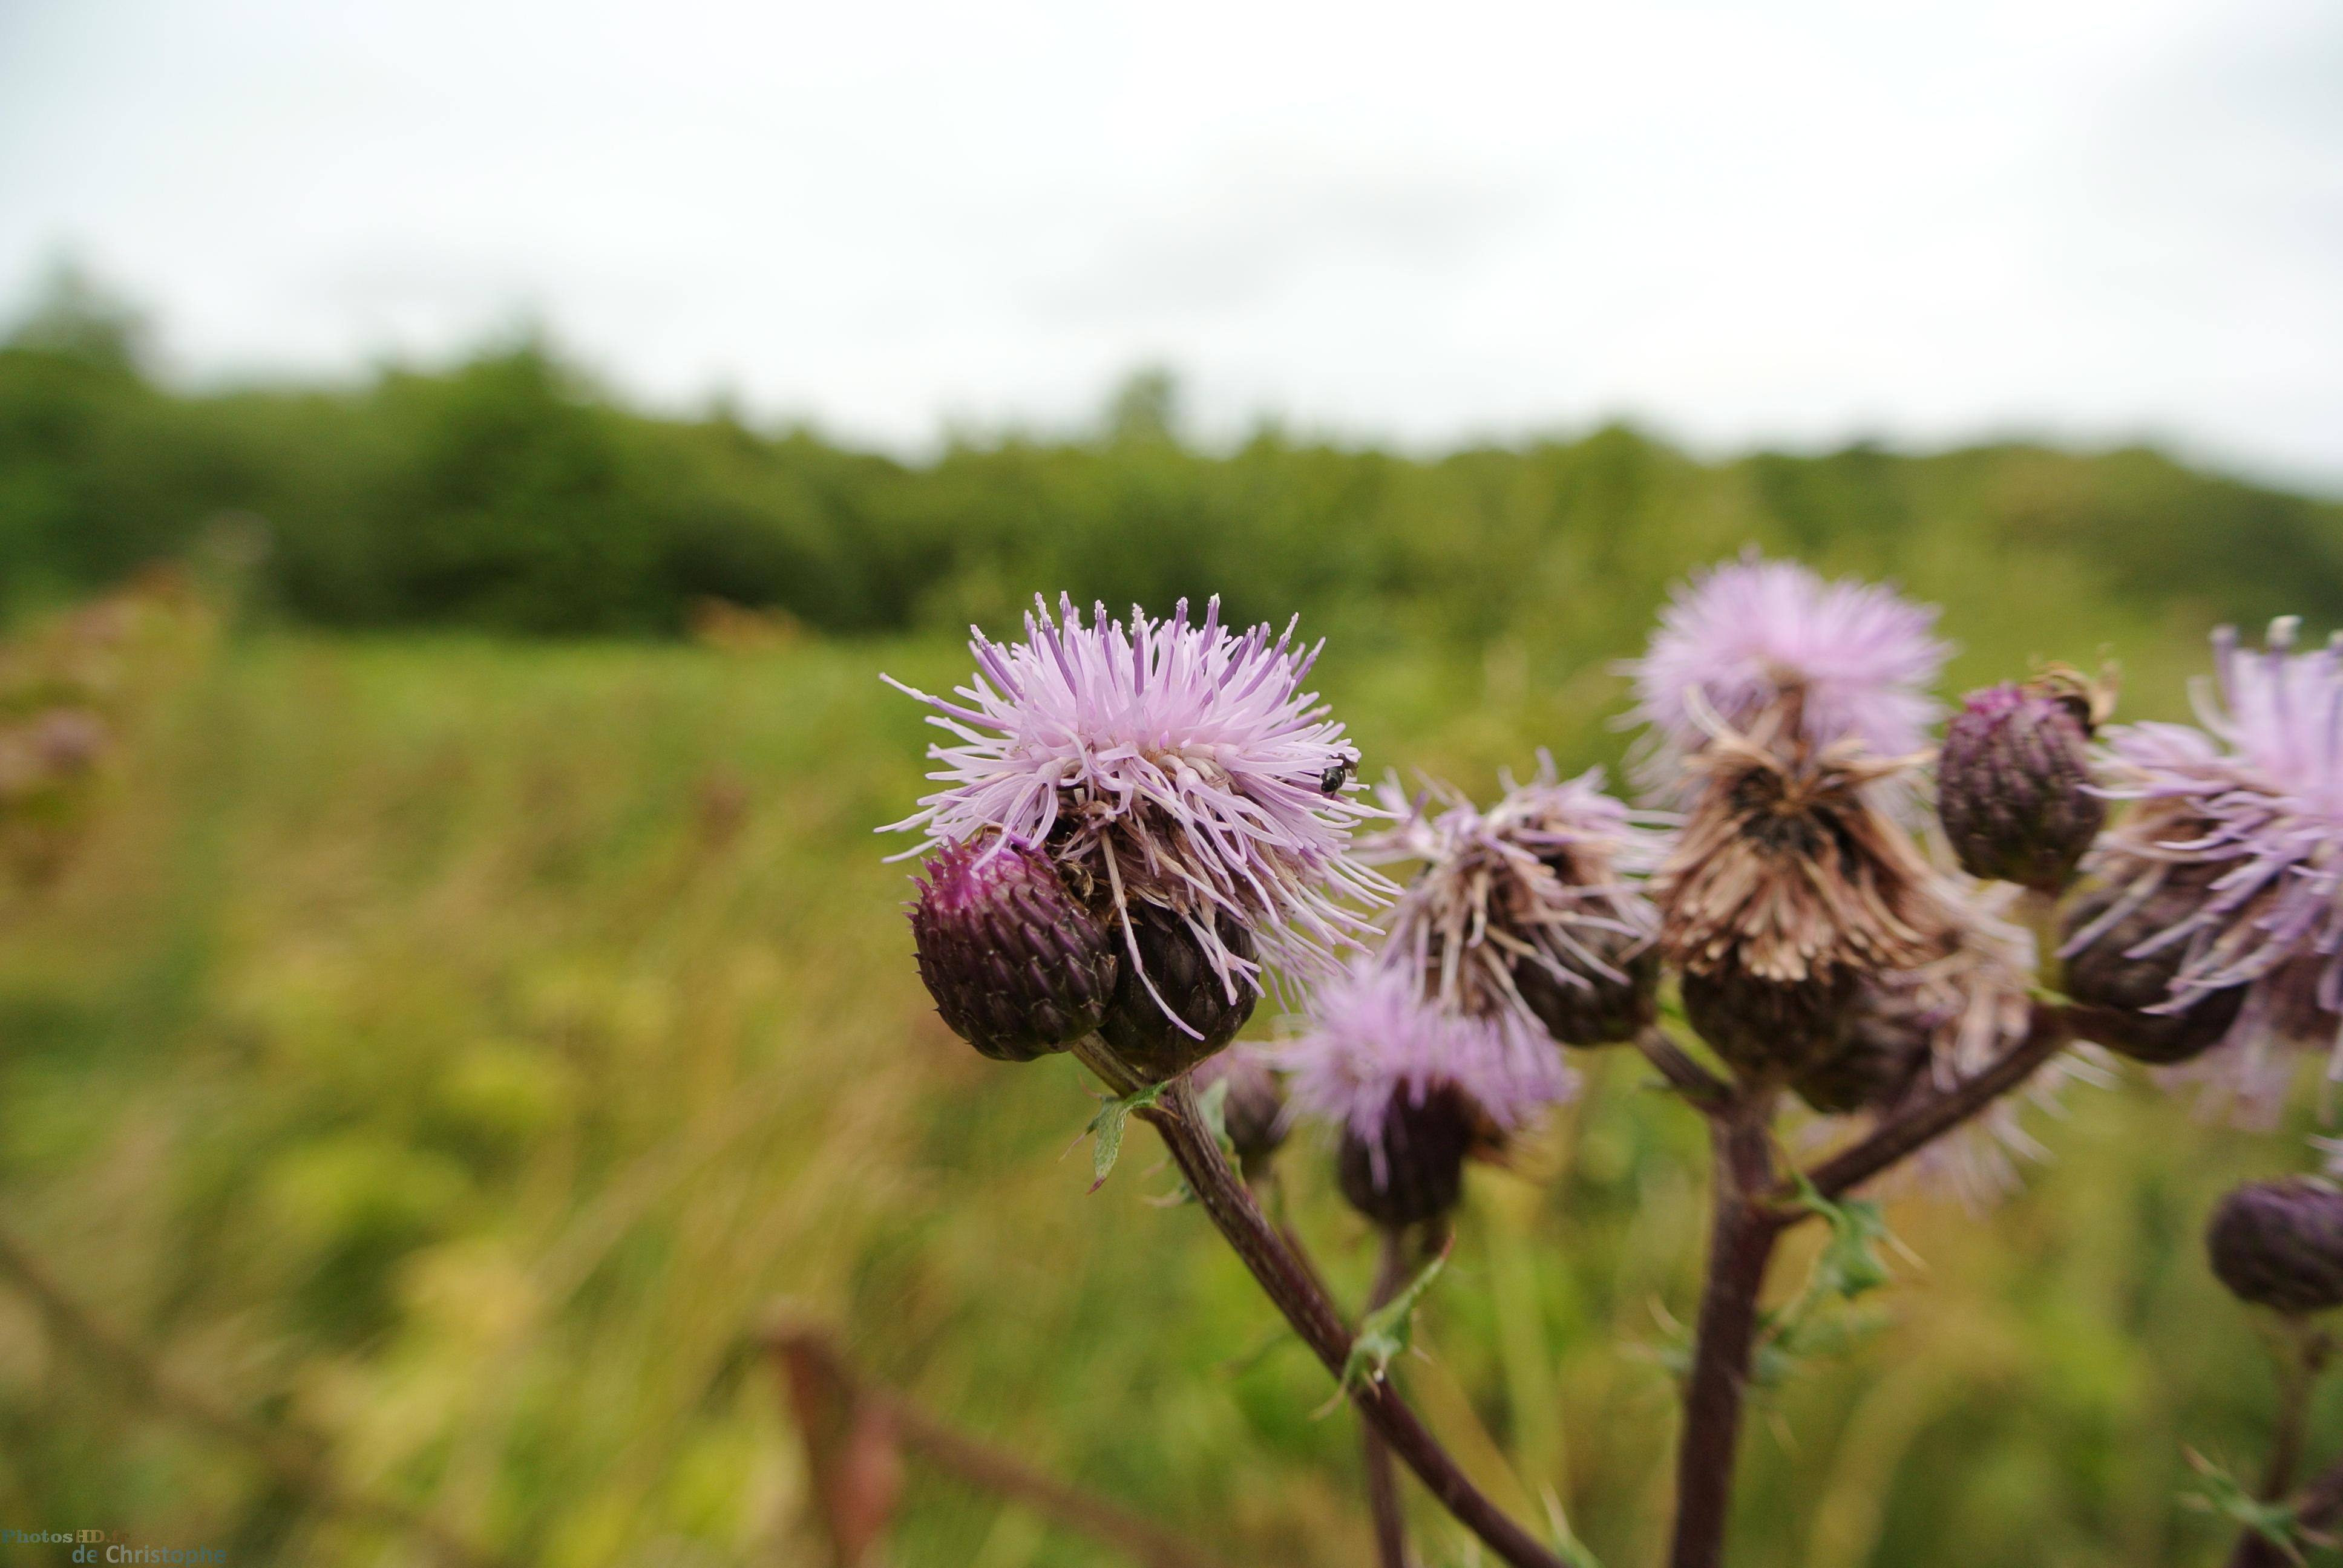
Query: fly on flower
(1177, 777)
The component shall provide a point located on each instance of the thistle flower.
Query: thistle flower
(1529, 907)
(1777, 654)
(2280, 1244)
(1018, 968)
(2014, 781)
(1169, 1011)
(1164, 766)
(1786, 887)
(2237, 844)
(1413, 1087)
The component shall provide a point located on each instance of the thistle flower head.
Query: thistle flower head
(1375, 1042)
(2280, 1244)
(1928, 1029)
(2237, 826)
(1530, 907)
(1018, 968)
(1165, 764)
(1778, 654)
(2014, 779)
(1788, 886)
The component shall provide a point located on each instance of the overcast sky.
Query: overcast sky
(1794, 222)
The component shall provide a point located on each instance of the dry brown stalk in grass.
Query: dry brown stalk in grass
(301, 1468)
(856, 1433)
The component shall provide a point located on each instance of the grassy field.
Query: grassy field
(456, 1049)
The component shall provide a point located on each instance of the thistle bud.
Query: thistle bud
(2013, 783)
(1018, 967)
(1768, 1028)
(2112, 991)
(1591, 1008)
(1885, 1039)
(1416, 1171)
(1177, 970)
(1253, 1111)
(2281, 1244)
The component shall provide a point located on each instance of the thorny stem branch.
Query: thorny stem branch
(2300, 1360)
(1752, 1208)
(296, 1466)
(1743, 1229)
(1383, 1486)
(1312, 1315)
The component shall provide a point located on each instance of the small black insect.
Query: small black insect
(1330, 782)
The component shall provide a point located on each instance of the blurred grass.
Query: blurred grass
(456, 1048)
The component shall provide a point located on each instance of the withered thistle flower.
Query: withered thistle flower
(1907, 1033)
(1532, 905)
(2229, 868)
(1771, 649)
(1786, 887)
(2280, 1244)
(1413, 1088)
(1180, 777)
(2014, 781)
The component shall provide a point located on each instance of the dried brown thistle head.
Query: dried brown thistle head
(1788, 877)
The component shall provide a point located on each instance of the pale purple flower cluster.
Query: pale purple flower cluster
(1547, 877)
(1372, 1036)
(1857, 658)
(2250, 807)
(1170, 764)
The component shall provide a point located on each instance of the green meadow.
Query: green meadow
(454, 1050)
(472, 1010)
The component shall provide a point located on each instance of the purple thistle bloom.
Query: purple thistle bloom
(1166, 764)
(1754, 640)
(1536, 895)
(1373, 1038)
(2245, 814)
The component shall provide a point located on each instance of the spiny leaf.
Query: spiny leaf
(1850, 1264)
(1574, 1553)
(2273, 1522)
(1385, 1332)
(1107, 1128)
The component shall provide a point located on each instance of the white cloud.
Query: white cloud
(1797, 224)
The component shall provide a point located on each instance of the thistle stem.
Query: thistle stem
(1742, 1228)
(2300, 1360)
(1383, 1486)
(1688, 1078)
(1312, 1315)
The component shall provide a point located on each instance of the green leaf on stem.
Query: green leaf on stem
(1107, 1127)
(1385, 1332)
(2223, 1495)
(1850, 1264)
